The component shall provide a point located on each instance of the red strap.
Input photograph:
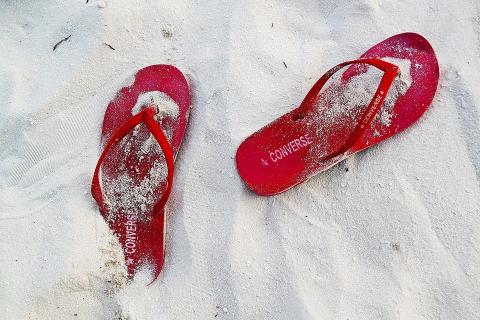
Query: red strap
(374, 106)
(145, 116)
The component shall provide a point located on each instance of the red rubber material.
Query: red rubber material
(148, 234)
(265, 173)
(145, 116)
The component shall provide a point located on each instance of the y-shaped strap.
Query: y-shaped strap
(374, 106)
(145, 116)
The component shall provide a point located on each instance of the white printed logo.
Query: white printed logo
(289, 148)
(131, 233)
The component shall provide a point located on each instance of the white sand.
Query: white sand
(397, 236)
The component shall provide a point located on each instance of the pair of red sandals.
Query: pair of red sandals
(145, 124)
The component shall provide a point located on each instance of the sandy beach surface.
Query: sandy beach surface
(396, 236)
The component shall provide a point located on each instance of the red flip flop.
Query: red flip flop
(142, 131)
(349, 115)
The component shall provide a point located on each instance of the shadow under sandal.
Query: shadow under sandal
(143, 128)
(354, 112)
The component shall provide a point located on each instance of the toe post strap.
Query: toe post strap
(147, 117)
(390, 72)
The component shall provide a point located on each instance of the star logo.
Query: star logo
(129, 261)
(264, 162)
